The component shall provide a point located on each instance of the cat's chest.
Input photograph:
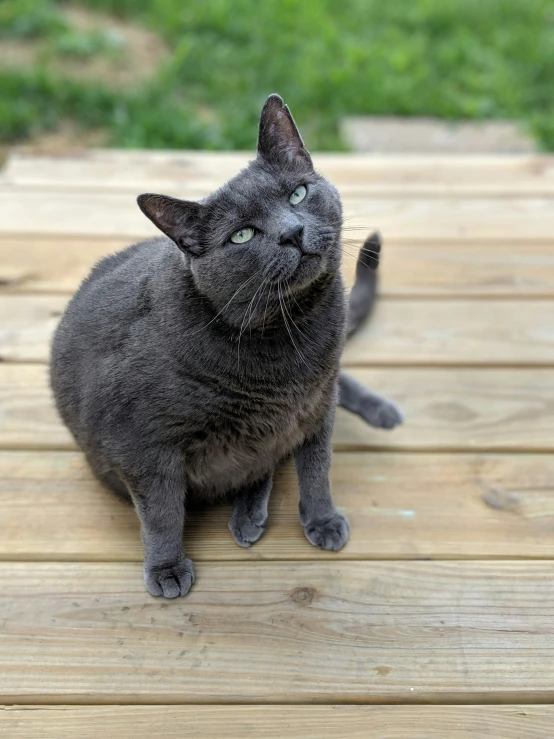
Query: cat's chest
(246, 435)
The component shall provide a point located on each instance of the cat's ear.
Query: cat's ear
(278, 139)
(178, 219)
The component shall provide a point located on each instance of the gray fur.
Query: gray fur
(376, 410)
(191, 373)
(249, 517)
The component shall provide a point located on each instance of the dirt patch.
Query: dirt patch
(142, 51)
(137, 51)
(67, 138)
(134, 56)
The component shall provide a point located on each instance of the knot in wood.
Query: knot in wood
(303, 596)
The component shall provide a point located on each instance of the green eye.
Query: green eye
(298, 195)
(242, 236)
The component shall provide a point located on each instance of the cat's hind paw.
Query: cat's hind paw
(246, 529)
(382, 415)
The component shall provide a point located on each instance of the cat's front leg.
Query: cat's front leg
(249, 517)
(159, 498)
(323, 525)
(376, 410)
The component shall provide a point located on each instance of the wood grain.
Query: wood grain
(28, 418)
(404, 506)
(276, 722)
(412, 332)
(470, 332)
(446, 409)
(451, 269)
(116, 214)
(280, 632)
(458, 409)
(375, 175)
(27, 323)
(50, 264)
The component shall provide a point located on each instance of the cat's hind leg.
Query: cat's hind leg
(108, 476)
(376, 410)
(249, 517)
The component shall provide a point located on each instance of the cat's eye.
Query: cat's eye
(242, 236)
(298, 195)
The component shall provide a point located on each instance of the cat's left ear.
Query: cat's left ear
(178, 219)
(278, 140)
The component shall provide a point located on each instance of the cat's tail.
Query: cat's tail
(362, 296)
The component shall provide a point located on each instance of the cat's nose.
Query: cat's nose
(292, 237)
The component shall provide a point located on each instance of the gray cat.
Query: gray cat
(191, 373)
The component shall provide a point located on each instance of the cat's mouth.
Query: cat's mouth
(297, 269)
(309, 266)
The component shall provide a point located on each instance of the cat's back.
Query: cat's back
(109, 300)
(91, 342)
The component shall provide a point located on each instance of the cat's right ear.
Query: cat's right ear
(178, 219)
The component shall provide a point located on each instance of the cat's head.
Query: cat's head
(275, 227)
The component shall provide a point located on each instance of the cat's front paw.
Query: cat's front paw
(170, 580)
(382, 415)
(331, 532)
(246, 528)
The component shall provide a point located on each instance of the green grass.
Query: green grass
(454, 59)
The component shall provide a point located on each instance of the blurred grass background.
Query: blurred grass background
(193, 74)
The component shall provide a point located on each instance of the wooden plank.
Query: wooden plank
(116, 214)
(279, 632)
(458, 409)
(376, 176)
(455, 269)
(495, 410)
(470, 332)
(50, 265)
(275, 722)
(404, 506)
(27, 323)
(461, 268)
(413, 332)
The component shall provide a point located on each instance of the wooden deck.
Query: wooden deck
(436, 620)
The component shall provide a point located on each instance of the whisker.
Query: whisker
(360, 257)
(307, 334)
(296, 326)
(250, 309)
(362, 250)
(365, 250)
(266, 304)
(287, 326)
(258, 302)
(244, 284)
(242, 326)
